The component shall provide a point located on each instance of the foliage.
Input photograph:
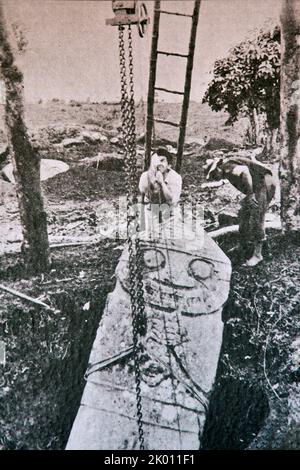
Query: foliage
(248, 78)
(20, 35)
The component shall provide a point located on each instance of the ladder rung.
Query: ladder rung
(169, 123)
(169, 91)
(174, 13)
(176, 54)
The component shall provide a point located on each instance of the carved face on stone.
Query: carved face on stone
(175, 279)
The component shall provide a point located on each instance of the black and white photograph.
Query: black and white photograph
(149, 227)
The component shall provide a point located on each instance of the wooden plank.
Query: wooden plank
(174, 54)
(168, 123)
(120, 20)
(169, 91)
(165, 12)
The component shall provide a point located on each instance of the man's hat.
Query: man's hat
(211, 165)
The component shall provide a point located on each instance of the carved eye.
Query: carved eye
(154, 259)
(200, 269)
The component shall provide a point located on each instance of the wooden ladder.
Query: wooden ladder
(152, 88)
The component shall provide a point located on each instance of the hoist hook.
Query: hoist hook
(143, 19)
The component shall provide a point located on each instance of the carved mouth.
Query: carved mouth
(173, 285)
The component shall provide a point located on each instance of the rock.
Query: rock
(220, 144)
(71, 142)
(219, 153)
(7, 189)
(7, 173)
(14, 237)
(195, 141)
(94, 136)
(186, 282)
(49, 168)
(114, 140)
(212, 184)
(171, 149)
(106, 161)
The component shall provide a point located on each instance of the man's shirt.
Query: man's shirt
(172, 180)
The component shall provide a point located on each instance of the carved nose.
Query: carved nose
(181, 278)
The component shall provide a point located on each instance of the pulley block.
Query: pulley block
(129, 12)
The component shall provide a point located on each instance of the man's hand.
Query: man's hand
(159, 177)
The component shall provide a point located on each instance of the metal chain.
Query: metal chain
(135, 275)
(135, 252)
(139, 254)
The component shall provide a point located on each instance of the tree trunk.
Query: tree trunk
(26, 162)
(255, 127)
(271, 150)
(289, 118)
(274, 151)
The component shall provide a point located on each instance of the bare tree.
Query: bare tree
(290, 117)
(26, 161)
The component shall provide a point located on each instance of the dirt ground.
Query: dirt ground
(47, 350)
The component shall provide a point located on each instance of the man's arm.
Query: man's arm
(172, 190)
(239, 176)
(143, 186)
(247, 184)
(167, 193)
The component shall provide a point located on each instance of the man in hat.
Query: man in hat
(256, 181)
(160, 186)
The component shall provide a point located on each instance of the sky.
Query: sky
(72, 54)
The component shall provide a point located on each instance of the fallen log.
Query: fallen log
(224, 231)
(235, 228)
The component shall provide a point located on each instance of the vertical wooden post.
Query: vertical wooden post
(290, 115)
(151, 83)
(187, 86)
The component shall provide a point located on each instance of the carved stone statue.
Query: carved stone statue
(186, 283)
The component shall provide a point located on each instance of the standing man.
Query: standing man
(160, 187)
(257, 183)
